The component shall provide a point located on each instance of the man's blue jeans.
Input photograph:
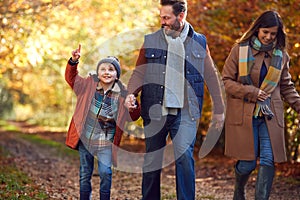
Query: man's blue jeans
(182, 130)
(87, 167)
(262, 148)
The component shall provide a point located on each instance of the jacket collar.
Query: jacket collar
(191, 30)
(116, 88)
(255, 52)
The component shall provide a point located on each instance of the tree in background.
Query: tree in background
(37, 37)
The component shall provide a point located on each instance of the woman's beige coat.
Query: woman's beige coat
(241, 102)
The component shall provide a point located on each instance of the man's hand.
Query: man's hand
(76, 54)
(218, 120)
(130, 102)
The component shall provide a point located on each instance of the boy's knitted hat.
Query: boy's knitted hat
(114, 61)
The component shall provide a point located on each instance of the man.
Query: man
(171, 69)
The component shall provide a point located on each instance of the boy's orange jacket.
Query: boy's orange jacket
(85, 90)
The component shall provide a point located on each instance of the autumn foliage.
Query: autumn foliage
(36, 38)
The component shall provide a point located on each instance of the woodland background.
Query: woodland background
(37, 37)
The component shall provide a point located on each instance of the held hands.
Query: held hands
(76, 54)
(130, 102)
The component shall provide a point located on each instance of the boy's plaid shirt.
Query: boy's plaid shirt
(100, 125)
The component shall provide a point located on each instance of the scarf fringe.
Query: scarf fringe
(264, 108)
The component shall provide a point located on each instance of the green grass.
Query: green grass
(14, 184)
(60, 149)
(8, 127)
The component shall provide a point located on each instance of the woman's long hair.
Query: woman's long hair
(266, 20)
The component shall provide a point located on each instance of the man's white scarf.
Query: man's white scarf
(174, 78)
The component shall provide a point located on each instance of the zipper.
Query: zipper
(96, 120)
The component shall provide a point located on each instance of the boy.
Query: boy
(98, 120)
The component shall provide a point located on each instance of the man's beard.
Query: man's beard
(173, 30)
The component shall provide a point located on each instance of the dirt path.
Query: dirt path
(59, 176)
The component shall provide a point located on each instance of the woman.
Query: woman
(257, 79)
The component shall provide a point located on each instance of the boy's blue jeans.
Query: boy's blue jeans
(87, 167)
(182, 130)
(262, 146)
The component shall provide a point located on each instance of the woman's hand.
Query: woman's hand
(262, 96)
(76, 54)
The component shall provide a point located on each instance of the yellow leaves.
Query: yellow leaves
(38, 36)
(42, 41)
(23, 112)
(4, 21)
(47, 1)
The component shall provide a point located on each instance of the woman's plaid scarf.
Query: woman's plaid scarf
(272, 78)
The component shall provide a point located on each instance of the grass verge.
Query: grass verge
(14, 184)
(60, 149)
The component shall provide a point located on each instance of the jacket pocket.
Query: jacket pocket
(235, 111)
(154, 60)
(195, 64)
(279, 112)
(153, 53)
(199, 54)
